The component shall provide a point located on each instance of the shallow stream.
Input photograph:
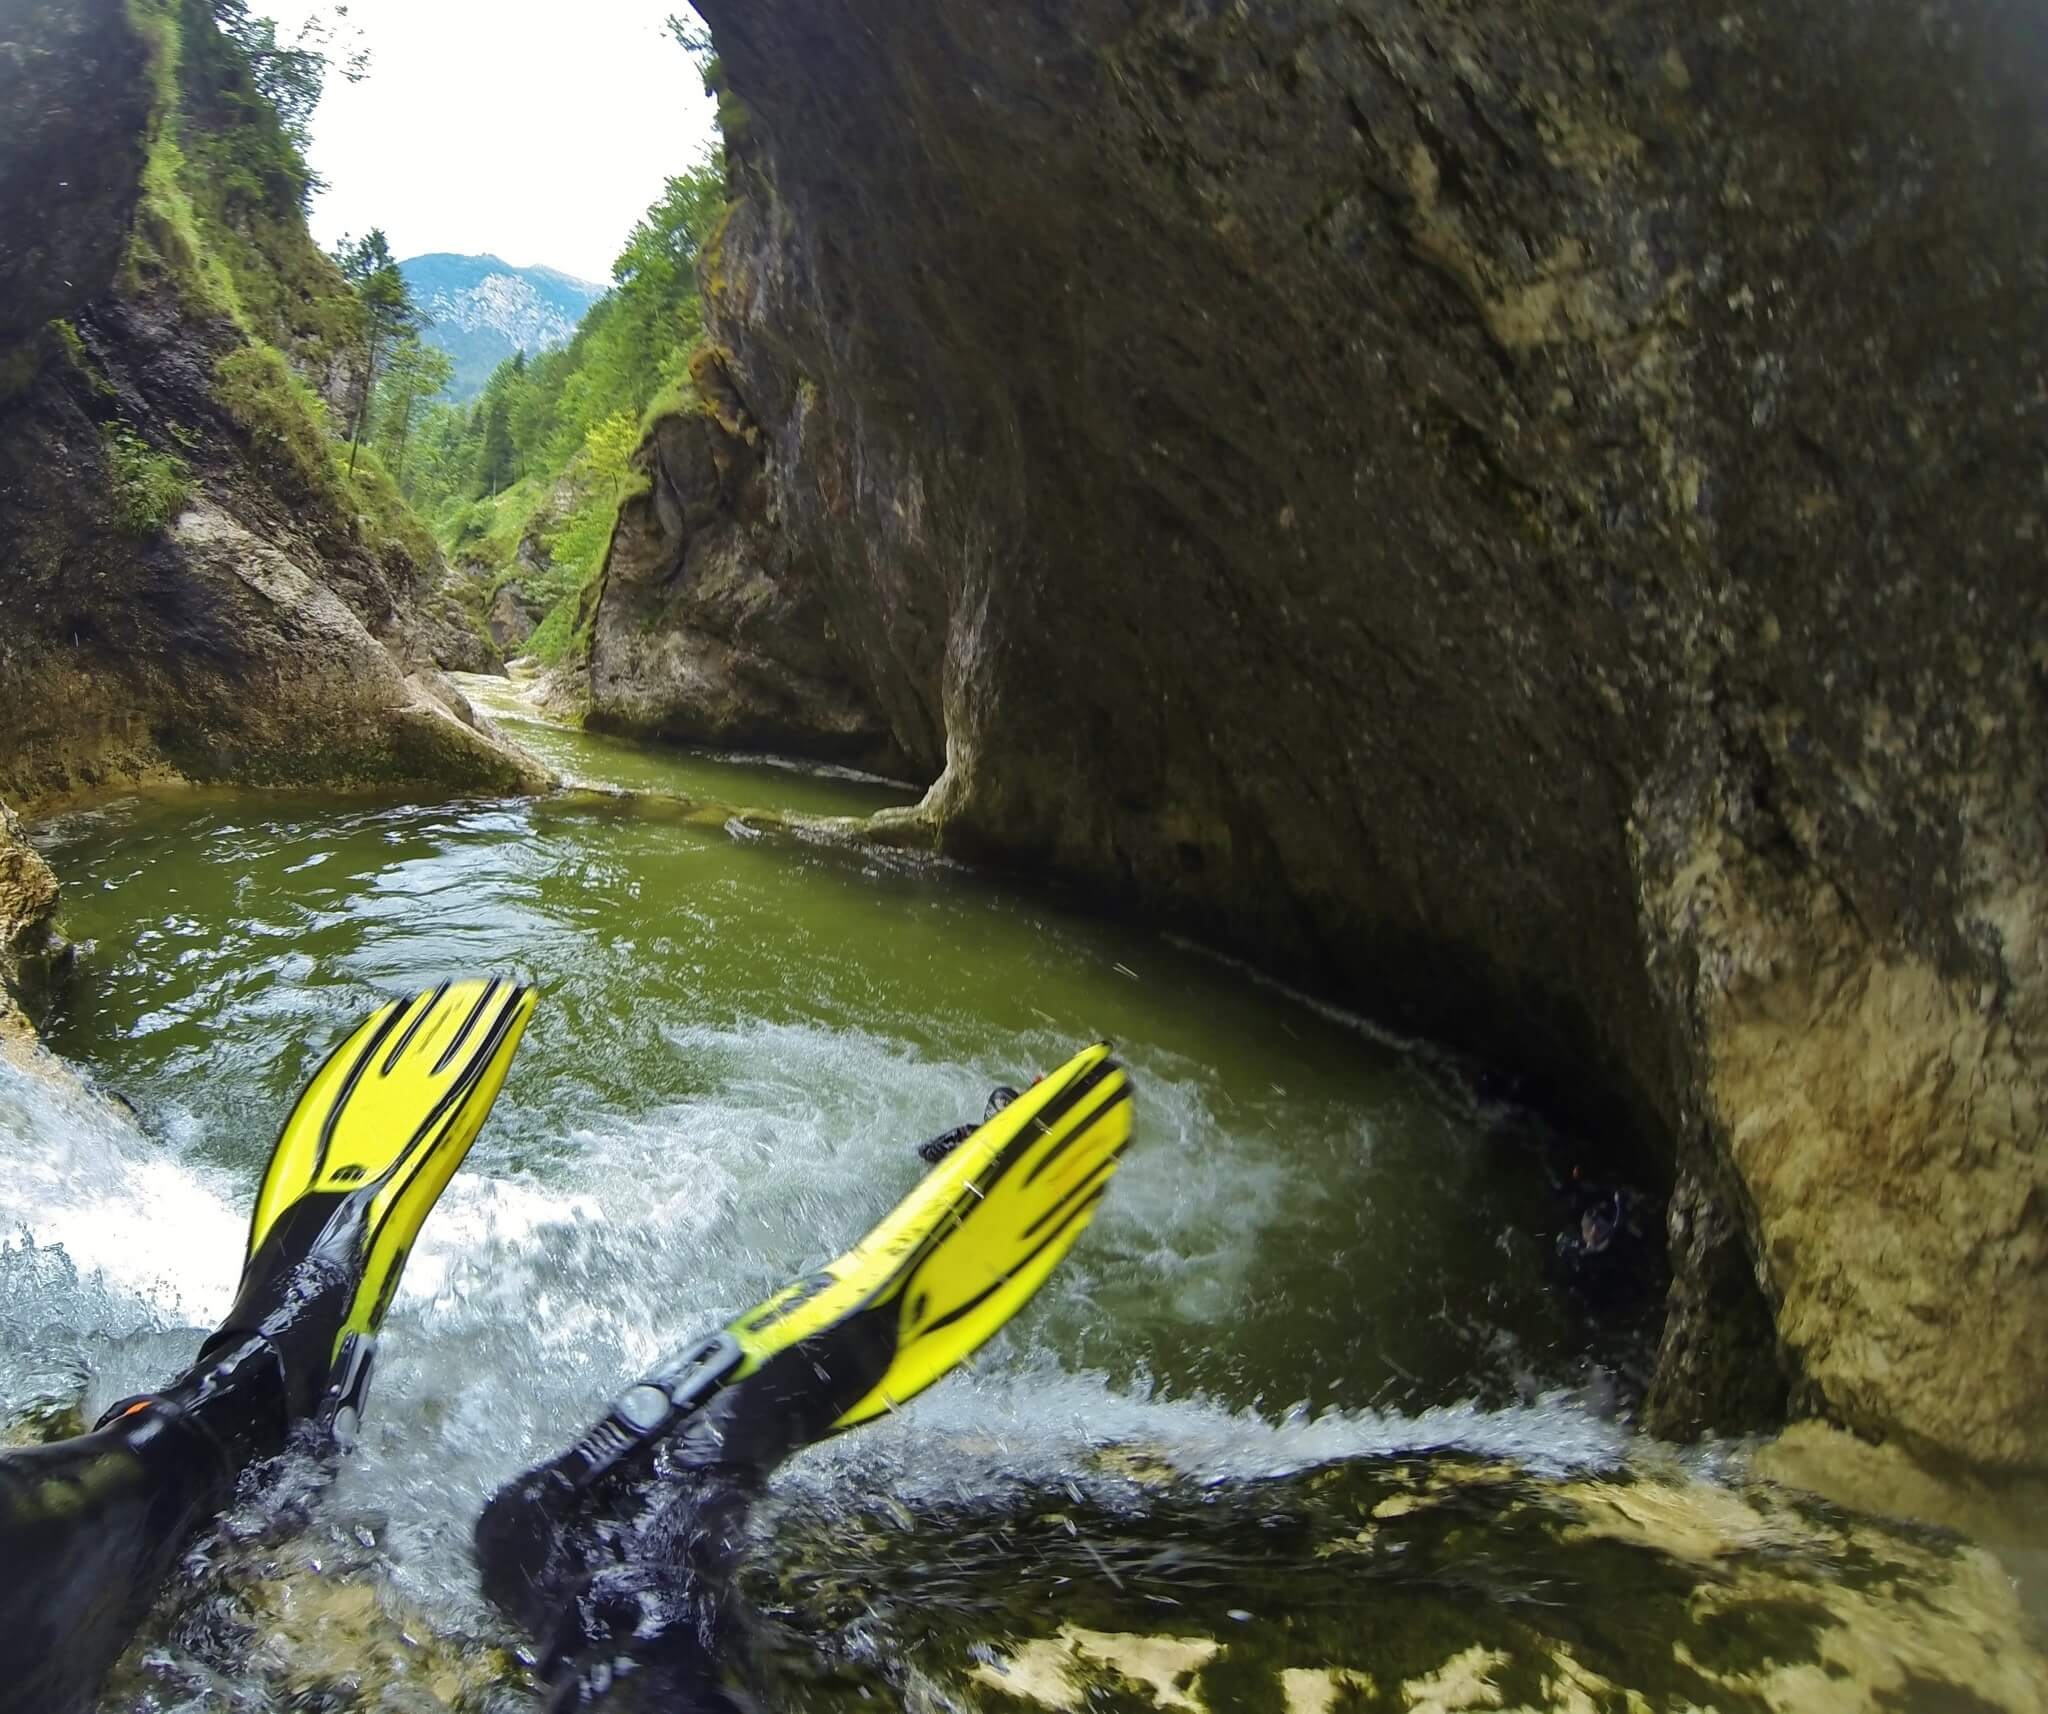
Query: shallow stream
(1322, 1248)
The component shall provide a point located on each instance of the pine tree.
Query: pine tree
(413, 373)
(496, 461)
(388, 315)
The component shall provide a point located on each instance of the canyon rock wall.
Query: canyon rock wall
(1528, 517)
(184, 593)
(702, 631)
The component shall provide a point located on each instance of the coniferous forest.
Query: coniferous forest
(521, 486)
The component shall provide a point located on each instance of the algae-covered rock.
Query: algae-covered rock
(28, 901)
(1525, 516)
(28, 893)
(1433, 1581)
(1429, 1583)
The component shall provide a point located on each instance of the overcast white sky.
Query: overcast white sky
(535, 130)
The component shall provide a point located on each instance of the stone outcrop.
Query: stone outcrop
(1429, 1582)
(244, 638)
(511, 620)
(443, 631)
(28, 900)
(703, 631)
(1527, 517)
(187, 591)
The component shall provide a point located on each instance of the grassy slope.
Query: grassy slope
(220, 226)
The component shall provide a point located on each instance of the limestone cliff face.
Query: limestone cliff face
(184, 592)
(73, 87)
(705, 631)
(1529, 516)
(28, 898)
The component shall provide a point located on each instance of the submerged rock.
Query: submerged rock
(1525, 517)
(1431, 1583)
(1437, 1581)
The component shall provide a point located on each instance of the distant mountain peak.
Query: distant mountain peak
(482, 309)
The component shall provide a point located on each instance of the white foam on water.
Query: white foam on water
(535, 1297)
(1020, 1418)
(530, 1305)
(139, 1215)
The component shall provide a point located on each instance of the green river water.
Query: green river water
(1321, 1247)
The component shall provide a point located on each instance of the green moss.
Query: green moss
(555, 637)
(677, 399)
(145, 488)
(712, 278)
(383, 517)
(488, 531)
(81, 360)
(735, 119)
(219, 220)
(282, 418)
(1308, 1572)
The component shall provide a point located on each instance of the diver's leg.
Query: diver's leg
(90, 1527)
(654, 1626)
(619, 1553)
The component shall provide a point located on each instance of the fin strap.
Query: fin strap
(646, 1411)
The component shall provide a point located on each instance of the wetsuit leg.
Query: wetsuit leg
(629, 1592)
(88, 1530)
(628, 1584)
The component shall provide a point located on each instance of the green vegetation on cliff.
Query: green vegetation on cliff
(311, 344)
(149, 488)
(524, 485)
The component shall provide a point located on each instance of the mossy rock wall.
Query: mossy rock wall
(193, 586)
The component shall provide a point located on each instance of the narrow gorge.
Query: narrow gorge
(1528, 521)
(1464, 579)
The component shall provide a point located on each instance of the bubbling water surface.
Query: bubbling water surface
(1319, 1245)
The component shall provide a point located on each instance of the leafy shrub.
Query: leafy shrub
(146, 488)
(382, 509)
(556, 637)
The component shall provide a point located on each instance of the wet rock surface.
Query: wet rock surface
(1437, 1581)
(75, 89)
(703, 631)
(1526, 518)
(28, 902)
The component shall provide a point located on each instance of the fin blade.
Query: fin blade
(1026, 1213)
(967, 1248)
(390, 1115)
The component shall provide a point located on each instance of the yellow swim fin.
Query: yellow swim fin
(362, 1159)
(960, 1255)
(941, 1274)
